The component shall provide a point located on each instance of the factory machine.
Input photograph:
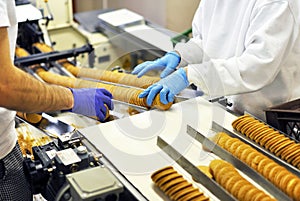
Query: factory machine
(163, 152)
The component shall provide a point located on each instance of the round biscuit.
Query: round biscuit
(274, 139)
(267, 169)
(167, 179)
(233, 147)
(289, 158)
(161, 170)
(283, 147)
(229, 142)
(231, 181)
(237, 187)
(243, 122)
(283, 183)
(262, 164)
(177, 187)
(290, 150)
(243, 190)
(190, 195)
(247, 127)
(245, 154)
(278, 144)
(255, 133)
(172, 183)
(268, 135)
(239, 119)
(182, 192)
(161, 174)
(238, 152)
(296, 191)
(253, 128)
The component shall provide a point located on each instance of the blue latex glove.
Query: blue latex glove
(168, 62)
(91, 102)
(167, 87)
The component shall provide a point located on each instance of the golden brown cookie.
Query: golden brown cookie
(267, 169)
(239, 119)
(174, 188)
(155, 178)
(167, 179)
(161, 170)
(190, 196)
(182, 192)
(274, 139)
(171, 183)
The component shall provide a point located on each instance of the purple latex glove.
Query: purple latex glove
(167, 63)
(91, 102)
(167, 87)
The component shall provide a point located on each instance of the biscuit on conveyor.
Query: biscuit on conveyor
(234, 183)
(269, 138)
(275, 173)
(175, 186)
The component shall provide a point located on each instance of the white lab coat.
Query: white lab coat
(247, 50)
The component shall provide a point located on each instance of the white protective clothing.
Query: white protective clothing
(247, 50)
(8, 136)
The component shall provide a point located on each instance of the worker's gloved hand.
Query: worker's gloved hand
(168, 62)
(167, 87)
(91, 102)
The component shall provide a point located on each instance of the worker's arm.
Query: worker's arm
(20, 91)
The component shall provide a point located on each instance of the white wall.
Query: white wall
(175, 15)
(153, 10)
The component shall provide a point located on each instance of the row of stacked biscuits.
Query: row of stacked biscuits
(269, 138)
(286, 181)
(124, 94)
(104, 75)
(176, 187)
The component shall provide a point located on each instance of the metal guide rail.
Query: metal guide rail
(198, 175)
(217, 128)
(225, 155)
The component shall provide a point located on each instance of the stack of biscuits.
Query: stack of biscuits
(278, 175)
(270, 139)
(104, 75)
(124, 94)
(175, 186)
(228, 177)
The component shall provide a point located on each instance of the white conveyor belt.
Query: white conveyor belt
(130, 143)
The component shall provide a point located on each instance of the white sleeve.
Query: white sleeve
(268, 40)
(4, 20)
(192, 51)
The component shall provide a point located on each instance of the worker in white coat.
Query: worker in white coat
(248, 51)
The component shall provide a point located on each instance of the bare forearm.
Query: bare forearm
(20, 91)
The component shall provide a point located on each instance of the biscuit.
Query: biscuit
(190, 196)
(182, 192)
(171, 183)
(161, 170)
(173, 189)
(167, 178)
(238, 120)
(161, 174)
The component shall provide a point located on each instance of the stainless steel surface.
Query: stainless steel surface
(222, 153)
(216, 127)
(210, 184)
